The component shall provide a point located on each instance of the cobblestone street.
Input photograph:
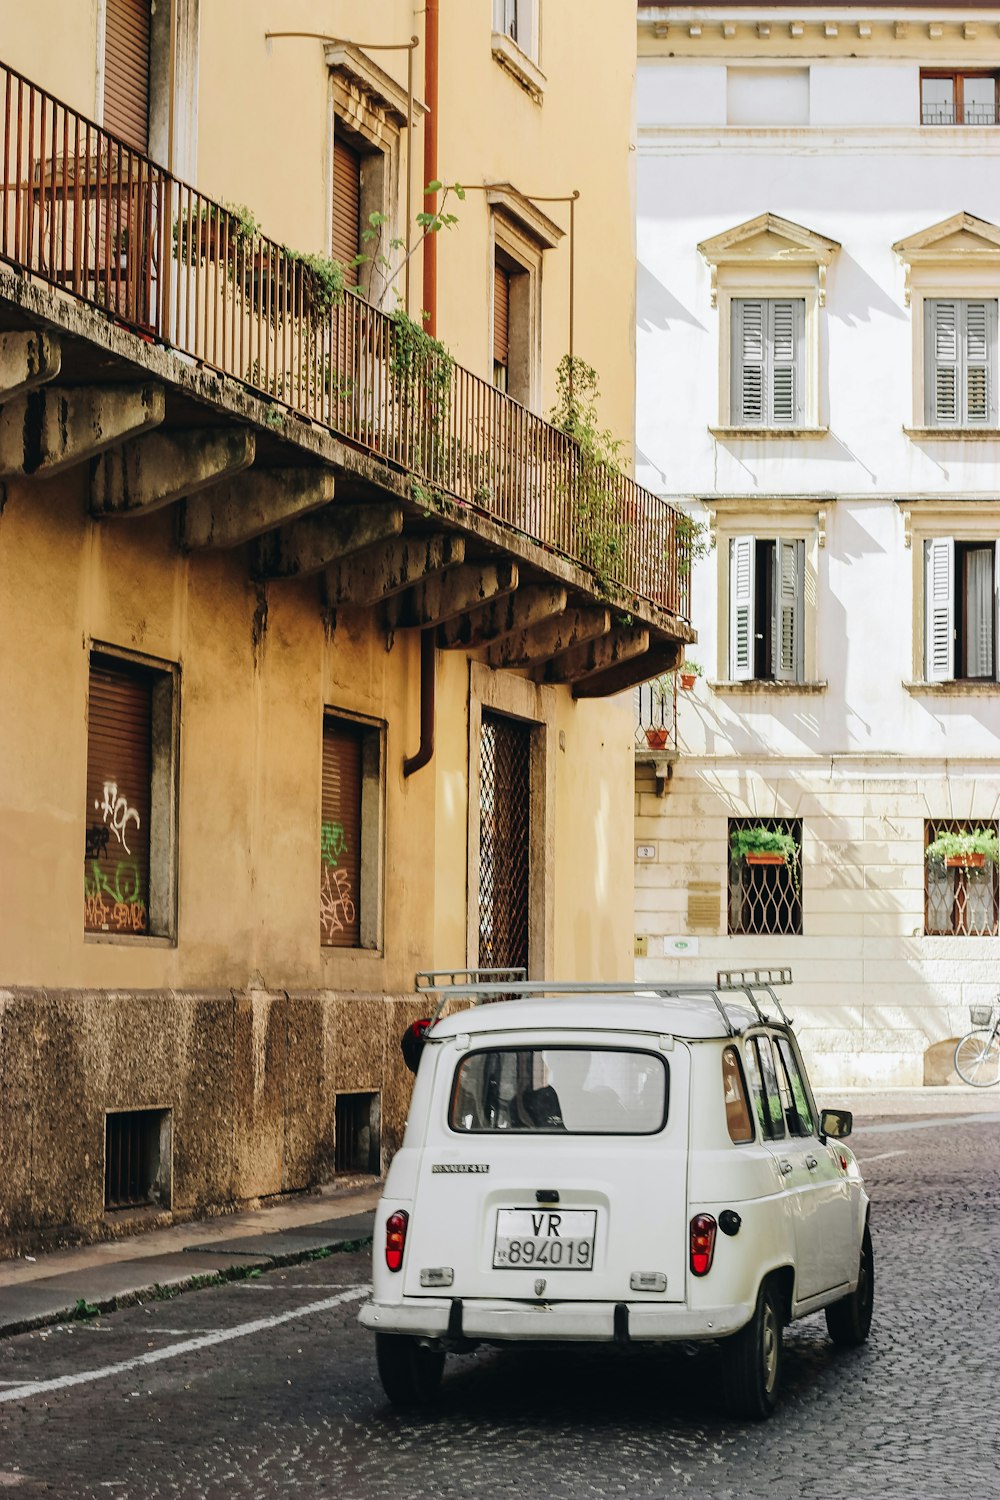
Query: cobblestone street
(201, 1405)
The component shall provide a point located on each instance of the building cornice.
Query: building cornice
(935, 32)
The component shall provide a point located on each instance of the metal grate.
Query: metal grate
(134, 1158)
(960, 900)
(504, 842)
(766, 897)
(656, 713)
(357, 1143)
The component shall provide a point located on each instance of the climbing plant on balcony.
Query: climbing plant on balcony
(602, 528)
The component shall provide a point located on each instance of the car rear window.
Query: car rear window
(560, 1090)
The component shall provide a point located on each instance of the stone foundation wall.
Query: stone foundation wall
(250, 1079)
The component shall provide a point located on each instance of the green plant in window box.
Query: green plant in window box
(761, 845)
(968, 850)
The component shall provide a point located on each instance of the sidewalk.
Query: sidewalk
(63, 1284)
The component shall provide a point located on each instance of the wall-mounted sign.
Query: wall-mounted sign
(680, 947)
(645, 851)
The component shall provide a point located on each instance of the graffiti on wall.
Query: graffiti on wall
(117, 814)
(336, 898)
(113, 894)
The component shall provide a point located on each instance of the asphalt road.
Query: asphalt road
(268, 1388)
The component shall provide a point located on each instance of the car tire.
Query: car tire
(752, 1359)
(410, 1372)
(848, 1321)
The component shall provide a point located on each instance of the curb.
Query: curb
(82, 1311)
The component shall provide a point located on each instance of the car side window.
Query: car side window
(794, 1096)
(738, 1119)
(764, 1088)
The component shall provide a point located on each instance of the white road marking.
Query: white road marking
(882, 1156)
(188, 1346)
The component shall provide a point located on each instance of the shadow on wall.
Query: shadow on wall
(855, 297)
(656, 308)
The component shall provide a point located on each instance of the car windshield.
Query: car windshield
(560, 1090)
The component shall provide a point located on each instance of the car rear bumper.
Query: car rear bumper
(599, 1322)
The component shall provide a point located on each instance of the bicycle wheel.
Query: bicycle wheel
(977, 1059)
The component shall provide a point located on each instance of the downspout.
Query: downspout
(428, 674)
(428, 652)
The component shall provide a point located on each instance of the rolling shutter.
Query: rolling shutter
(501, 325)
(119, 772)
(346, 201)
(939, 609)
(126, 71)
(741, 608)
(340, 836)
(789, 567)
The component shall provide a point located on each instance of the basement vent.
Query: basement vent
(358, 1143)
(137, 1158)
(704, 905)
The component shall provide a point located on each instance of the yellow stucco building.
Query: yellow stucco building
(312, 637)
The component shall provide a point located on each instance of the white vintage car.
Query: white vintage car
(605, 1163)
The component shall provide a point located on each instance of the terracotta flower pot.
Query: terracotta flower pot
(688, 680)
(965, 861)
(763, 858)
(656, 739)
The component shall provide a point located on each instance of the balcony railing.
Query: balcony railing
(655, 705)
(87, 213)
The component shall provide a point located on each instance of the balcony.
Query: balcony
(655, 714)
(131, 291)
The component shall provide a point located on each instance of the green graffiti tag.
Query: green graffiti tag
(114, 902)
(332, 842)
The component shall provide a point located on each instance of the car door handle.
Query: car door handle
(785, 1167)
(812, 1163)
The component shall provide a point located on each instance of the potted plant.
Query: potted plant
(688, 672)
(967, 851)
(764, 846)
(661, 691)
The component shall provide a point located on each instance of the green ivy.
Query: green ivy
(762, 840)
(961, 845)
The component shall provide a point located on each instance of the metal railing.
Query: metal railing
(656, 713)
(85, 212)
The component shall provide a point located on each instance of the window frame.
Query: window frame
(740, 1075)
(962, 522)
(958, 77)
(928, 315)
(766, 1121)
(736, 889)
(958, 875)
(552, 1130)
(371, 864)
(777, 518)
(165, 719)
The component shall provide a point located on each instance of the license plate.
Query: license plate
(558, 1239)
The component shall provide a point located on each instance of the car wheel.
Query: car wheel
(410, 1373)
(849, 1320)
(752, 1369)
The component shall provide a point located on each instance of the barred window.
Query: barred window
(960, 887)
(765, 876)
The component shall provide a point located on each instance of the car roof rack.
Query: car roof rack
(482, 986)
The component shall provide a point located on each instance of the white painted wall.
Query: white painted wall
(865, 761)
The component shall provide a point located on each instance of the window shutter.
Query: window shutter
(749, 358)
(501, 320)
(126, 71)
(789, 567)
(939, 610)
(741, 608)
(979, 611)
(346, 201)
(340, 836)
(980, 345)
(119, 776)
(941, 364)
(787, 326)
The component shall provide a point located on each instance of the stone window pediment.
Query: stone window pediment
(960, 242)
(767, 244)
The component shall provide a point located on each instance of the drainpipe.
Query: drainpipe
(428, 673)
(428, 653)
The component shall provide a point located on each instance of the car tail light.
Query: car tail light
(703, 1228)
(395, 1238)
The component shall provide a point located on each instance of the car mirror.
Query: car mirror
(836, 1123)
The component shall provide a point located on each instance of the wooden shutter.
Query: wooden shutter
(939, 609)
(749, 361)
(340, 836)
(786, 322)
(789, 592)
(979, 351)
(119, 775)
(942, 363)
(501, 325)
(126, 71)
(346, 201)
(742, 551)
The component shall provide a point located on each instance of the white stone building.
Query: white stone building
(818, 237)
